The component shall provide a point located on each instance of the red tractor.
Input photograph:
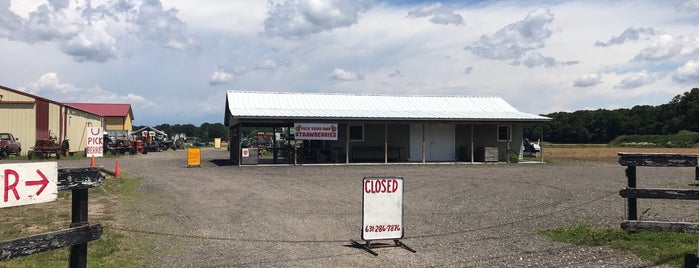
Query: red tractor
(44, 148)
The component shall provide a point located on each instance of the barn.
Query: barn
(351, 128)
(29, 117)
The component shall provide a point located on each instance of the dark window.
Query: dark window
(356, 133)
(504, 133)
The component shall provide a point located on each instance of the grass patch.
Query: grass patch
(570, 145)
(114, 249)
(656, 247)
(683, 139)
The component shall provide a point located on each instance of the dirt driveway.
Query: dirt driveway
(456, 215)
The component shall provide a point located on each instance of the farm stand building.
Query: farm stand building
(344, 128)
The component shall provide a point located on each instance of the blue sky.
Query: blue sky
(173, 60)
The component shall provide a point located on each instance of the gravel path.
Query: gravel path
(222, 215)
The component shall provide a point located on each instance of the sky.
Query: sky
(174, 60)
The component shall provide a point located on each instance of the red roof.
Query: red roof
(104, 109)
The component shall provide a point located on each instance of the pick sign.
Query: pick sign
(28, 183)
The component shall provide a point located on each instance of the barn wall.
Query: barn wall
(76, 124)
(19, 119)
(54, 121)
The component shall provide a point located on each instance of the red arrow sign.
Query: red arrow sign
(20, 185)
(43, 182)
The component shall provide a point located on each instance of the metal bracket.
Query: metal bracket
(368, 246)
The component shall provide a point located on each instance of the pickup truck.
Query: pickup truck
(9, 145)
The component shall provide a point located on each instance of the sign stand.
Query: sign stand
(382, 213)
(368, 246)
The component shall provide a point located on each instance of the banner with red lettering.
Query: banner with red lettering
(94, 142)
(382, 202)
(315, 131)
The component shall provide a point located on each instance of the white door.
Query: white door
(439, 142)
(415, 143)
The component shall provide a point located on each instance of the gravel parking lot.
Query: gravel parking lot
(455, 215)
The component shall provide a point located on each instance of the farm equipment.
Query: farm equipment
(120, 146)
(44, 148)
(530, 148)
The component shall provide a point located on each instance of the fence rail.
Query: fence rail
(631, 193)
(77, 180)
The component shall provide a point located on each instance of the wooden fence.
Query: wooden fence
(631, 193)
(78, 180)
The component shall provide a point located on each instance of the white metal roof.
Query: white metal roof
(268, 105)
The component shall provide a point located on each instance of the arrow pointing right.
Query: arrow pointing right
(43, 182)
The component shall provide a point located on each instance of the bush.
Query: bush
(683, 139)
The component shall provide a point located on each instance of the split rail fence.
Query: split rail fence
(632, 194)
(78, 180)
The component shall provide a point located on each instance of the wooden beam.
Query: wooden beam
(660, 193)
(660, 226)
(79, 178)
(49, 241)
(658, 160)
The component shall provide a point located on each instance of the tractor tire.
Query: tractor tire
(58, 154)
(30, 154)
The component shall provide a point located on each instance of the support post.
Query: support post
(385, 143)
(423, 143)
(471, 149)
(541, 144)
(78, 253)
(347, 139)
(632, 205)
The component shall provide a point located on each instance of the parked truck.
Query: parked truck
(9, 145)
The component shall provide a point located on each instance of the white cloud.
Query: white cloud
(663, 48)
(468, 69)
(220, 77)
(631, 33)
(90, 32)
(344, 75)
(516, 40)
(301, 18)
(689, 5)
(92, 44)
(588, 80)
(689, 72)
(533, 59)
(395, 74)
(637, 80)
(156, 23)
(49, 86)
(438, 14)
(267, 64)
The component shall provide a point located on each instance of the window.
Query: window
(504, 133)
(356, 133)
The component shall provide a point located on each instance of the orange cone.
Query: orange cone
(117, 174)
(92, 163)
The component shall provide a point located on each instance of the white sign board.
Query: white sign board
(28, 183)
(382, 215)
(94, 141)
(315, 131)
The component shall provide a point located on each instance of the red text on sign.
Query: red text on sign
(10, 187)
(381, 228)
(92, 140)
(380, 186)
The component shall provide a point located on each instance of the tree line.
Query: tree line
(205, 132)
(602, 126)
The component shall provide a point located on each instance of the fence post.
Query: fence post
(78, 253)
(632, 205)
